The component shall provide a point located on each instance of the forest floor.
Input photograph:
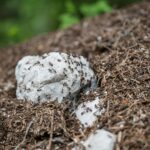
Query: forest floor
(118, 48)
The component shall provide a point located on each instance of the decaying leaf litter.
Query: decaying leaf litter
(118, 48)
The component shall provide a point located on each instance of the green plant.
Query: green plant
(72, 15)
(100, 6)
(21, 20)
(69, 17)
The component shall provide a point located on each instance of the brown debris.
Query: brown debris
(118, 47)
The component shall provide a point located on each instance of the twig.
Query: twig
(108, 106)
(24, 138)
(51, 130)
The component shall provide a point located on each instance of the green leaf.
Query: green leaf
(96, 8)
(67, 20)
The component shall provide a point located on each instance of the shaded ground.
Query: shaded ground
(118, 47)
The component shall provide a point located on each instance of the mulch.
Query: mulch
(118, 48)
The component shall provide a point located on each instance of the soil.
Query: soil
(118, 48)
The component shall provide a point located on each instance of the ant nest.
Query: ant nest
(53, 76)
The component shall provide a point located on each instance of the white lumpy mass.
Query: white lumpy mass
(53, 76)
(88, 112)
(99, 140)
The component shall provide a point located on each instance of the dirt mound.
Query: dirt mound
(118, 47)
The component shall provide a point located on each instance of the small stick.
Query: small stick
(24, 138)
(51, 134)
(108, 105)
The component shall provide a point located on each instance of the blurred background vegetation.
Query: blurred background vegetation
(22, 19)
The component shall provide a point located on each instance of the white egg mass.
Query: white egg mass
(53, 76)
